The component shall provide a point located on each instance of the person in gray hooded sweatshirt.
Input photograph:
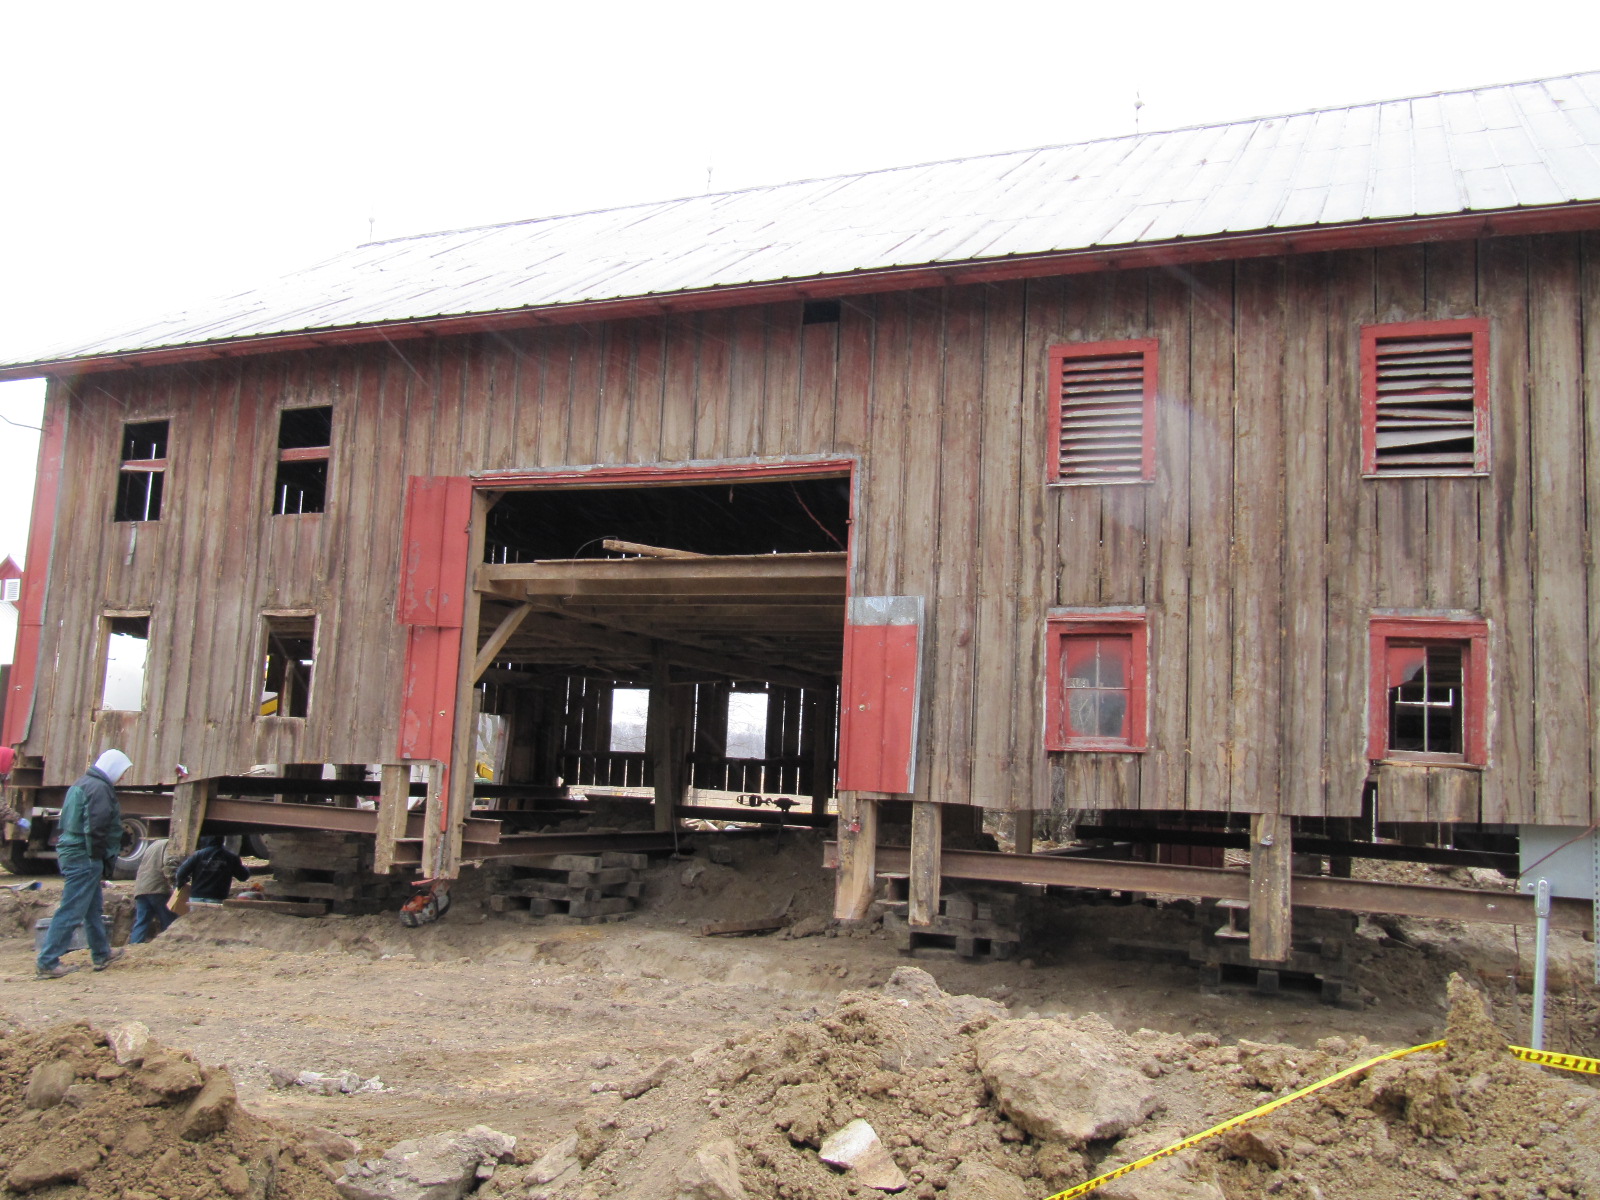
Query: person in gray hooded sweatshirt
(88, 842)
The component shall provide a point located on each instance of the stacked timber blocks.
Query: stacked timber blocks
(579, 889)
(332, 868)
(975, 924)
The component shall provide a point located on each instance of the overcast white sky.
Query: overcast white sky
(162, 153)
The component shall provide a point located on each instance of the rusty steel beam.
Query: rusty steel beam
(1312, 891)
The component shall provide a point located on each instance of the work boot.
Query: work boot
(55, 972)
(109, 959)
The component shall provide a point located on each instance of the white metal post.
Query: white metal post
(1541, 950)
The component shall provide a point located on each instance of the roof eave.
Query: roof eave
(1309, 239)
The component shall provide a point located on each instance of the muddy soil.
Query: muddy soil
(532, 1028)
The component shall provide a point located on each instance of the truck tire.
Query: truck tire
(135, 841)
(18, 861)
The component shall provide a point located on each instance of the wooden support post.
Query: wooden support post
(433, 818)
(858, 857)
(394, 798)
(667, 739)
(1271, 901)
(1022, 831)
(824, 717)
(349, 773)
(498, 639)
(927, 838)
(189, 801)
(446, 863)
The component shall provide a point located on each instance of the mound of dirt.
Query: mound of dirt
(972, 1106)
(154, 1125)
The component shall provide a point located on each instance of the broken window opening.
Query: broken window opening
(630, 719)
(1427, 698)
(288, 657)
(305, 438)
(747, 724)
(127, 654)
(141, 480)
(820, 312)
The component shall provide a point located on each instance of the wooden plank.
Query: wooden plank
(1210, 537)
(624, 547)
(858, 855)
(1304, 683)
(712, 385)
(1589, 299)
(727, 928)
(189, 801)
(1402, 792)
(819, 377)
(927, 840)
(463, 745)
(1256, 564)
(502, 634)
(1351, 546)
(394, 798)
(1561, 697)
(1022, 831)
(746, 397)
(781, 417)
(287, 908)
(1508, 788)
(1454, 794)
(1271, 902)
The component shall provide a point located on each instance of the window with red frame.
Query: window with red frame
(1097, 682)
(1104, 403)
(1429, 689)
(1424, 398)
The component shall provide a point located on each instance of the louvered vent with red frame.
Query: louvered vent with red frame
(1104, 396)
(1424, 398)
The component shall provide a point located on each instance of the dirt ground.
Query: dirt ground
(531, 1028)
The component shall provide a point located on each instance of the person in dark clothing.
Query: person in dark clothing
(209, 872)
(89, 838)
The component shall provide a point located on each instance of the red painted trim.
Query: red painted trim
(1474, 631)
(151, 465)
(1111, 621)
(305, 454)
(1478, 327)
(1461, 227)
(30, 609)
(1059, 354)
(667, 474)
(434, 545)
(878, 697)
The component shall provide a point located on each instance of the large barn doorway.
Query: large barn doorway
(668, 644)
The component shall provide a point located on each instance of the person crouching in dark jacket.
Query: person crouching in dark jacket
(209, 872)
(88, 840)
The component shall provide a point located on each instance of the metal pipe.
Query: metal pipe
(1541, 954)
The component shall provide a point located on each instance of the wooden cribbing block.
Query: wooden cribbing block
(719, 928)
(288, 908)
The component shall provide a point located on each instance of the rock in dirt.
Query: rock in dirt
(210, 1111)
(650, 1079)
(442, 1166)
(856, 1149)
(712, 1174)
(130, 1042)
(334, 1147)
(556, 1167)
(48, 1084)
(809, 927)
(1059, 1083)
(53, 1162)
(169, 1076)
(912, 983)
(1252, 1145)
(980, 1181)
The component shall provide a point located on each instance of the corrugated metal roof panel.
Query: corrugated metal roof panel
(1529, 144)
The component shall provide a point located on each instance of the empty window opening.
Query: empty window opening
(288, 656)
(820, 312)
(1424, 392)
(305, 437)
(630, 717)
(1427, 698)
(747, 725)
(142, 477)
(127, 653)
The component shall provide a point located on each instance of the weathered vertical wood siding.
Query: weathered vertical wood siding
(1258, 552)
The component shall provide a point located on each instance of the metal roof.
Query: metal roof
(1511, 147)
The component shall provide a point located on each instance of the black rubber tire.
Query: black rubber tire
(135, 840)
(255, 846)
(18, 861)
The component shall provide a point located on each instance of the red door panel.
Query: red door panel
(880, 694)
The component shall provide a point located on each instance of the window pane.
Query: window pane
(1427, 700)
(1095, 681)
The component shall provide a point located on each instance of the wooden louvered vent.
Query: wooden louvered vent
(1106, 394)
(1425, 400)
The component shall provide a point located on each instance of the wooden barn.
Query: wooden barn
(1224, 483)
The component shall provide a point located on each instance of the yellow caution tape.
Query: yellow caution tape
(1567, 1062)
